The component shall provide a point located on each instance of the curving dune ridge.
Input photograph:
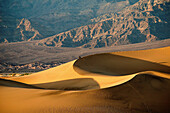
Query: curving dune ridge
(148, 69)
(101, 70)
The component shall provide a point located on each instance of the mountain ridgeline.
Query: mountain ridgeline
(85, 23)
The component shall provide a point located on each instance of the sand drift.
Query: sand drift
(97, 71)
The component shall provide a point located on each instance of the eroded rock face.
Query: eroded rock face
(137, 23)
(51, 17)
(27, 31)
(107, 23)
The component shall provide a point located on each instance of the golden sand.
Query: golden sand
(130, 81)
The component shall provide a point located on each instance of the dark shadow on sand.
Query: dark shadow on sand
(116, 65)
(71, 84)
(11, 83)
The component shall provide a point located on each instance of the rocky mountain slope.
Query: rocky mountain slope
(49, 17)
(88, 24)
(144, 21)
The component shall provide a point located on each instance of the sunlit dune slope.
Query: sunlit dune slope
(142, 94)
(102, 70)
(124, 82)
(65, 77)
(159, 55)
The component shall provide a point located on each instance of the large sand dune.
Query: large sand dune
(130, 81)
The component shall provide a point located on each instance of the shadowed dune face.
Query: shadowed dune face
(10, 83)
(71, 84)
(116, 65)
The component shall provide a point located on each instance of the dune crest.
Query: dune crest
(101, 70)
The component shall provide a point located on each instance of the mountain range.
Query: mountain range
(85, 23)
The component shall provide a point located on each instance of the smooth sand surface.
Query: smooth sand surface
(121, 82)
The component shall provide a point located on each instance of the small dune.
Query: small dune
(129, 81)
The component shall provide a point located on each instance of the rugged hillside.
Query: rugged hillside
(89, 24)
(144, 21)
(49, 17)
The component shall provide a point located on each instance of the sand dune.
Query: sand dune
(130, 81)
(105, 70)
(68, 72)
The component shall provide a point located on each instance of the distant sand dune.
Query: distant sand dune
(130, 81)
